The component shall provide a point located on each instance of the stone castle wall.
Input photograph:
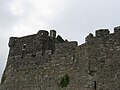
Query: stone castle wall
(93, 65)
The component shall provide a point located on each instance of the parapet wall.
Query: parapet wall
(33, 43)
(41, 42)
(104, 36)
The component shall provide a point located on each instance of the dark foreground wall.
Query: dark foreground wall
(94, 65)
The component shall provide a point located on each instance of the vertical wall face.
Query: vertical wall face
(101, 66)
(101, 61)
(93, 65)
(42, 71)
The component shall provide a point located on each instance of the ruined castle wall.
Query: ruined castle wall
(103, 62)
(18, 45)
(94, 65)
(40, 72)
(33, 45)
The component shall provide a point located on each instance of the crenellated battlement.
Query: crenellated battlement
(102, 32)
(46, 41)
(117, 30)
(43, 60)
(104, 36)
(43, 42)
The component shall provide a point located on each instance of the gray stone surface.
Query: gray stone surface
(40, 65)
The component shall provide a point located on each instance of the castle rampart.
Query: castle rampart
(104, 36)
(41, 62)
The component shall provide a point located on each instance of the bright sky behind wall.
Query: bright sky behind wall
(73, 19)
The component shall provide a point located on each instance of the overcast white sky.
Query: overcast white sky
(72, 19)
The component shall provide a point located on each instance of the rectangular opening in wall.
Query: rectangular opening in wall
(95, 86)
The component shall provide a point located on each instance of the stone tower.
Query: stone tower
(45, 62)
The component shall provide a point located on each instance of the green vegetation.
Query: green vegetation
(64, 81)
